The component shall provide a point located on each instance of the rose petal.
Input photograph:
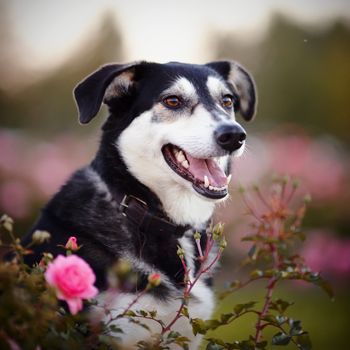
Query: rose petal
(74, 305)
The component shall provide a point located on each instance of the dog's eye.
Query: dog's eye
(227, 101)
(172, 101)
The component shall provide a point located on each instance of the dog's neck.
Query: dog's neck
(175, 202)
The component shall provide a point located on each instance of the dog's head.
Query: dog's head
(178, 120)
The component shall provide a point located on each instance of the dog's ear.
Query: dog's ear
(110, 81)
(242, 82)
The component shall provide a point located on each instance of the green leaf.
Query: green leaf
(113, 328)
(213, 342)
(214, 346)
(261, 345)
(212, 324)
(281, 319)
(239, 308)
(153, 313)
(281, 339)
(252, 252)
(295, 328)
(246, 345)
(256, 274)
(269, 318)
(225, 317)
(143, 313)
(235, 284)
(304, 341)
(173, 335)
(130, 313)
(280, 305)
(184, 311)
(198, 326)
(106, 339)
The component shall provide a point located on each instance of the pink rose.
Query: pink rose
(73, 280)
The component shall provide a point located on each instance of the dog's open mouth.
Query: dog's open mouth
(206, 176)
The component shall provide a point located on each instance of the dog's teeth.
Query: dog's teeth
(206, 181)
(211, 188)
(180, 157)
(185, 164)
(228, 180)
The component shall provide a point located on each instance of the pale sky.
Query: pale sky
(159, 30)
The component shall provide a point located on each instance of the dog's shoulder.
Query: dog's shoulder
(84, 208)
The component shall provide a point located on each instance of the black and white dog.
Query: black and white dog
(162, 165)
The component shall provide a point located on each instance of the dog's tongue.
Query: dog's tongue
(201, 167)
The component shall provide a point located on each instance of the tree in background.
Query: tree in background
(47, 105)
(302, 73)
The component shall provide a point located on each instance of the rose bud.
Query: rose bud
(72, 244)
(154, 279)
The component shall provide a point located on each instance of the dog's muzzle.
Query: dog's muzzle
(230, 137)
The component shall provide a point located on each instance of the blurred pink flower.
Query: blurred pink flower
(11, 147)
(73, 280)
(328, 254)
(312, 161)
(15, 198)
(318, 164)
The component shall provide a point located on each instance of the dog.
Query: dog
(162, 166)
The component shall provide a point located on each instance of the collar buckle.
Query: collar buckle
(124, 204)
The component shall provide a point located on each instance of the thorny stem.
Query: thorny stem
(150, 318)
(271, 283)
(134, 301)
(268, 297)
(275, 231)
(190, 284)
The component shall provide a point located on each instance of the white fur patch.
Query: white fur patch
(99, 184)
(217, 90)
(183, 87)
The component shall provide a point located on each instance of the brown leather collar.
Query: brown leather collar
(138, 213)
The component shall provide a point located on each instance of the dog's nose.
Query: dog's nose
(230, 136)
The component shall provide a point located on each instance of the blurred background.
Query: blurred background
(299, 54)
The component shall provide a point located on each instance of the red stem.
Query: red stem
(135, 301)
(190, 284)
(271, 283)
(252, 212)
(261, 197)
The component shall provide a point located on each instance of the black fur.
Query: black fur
(80, 210)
